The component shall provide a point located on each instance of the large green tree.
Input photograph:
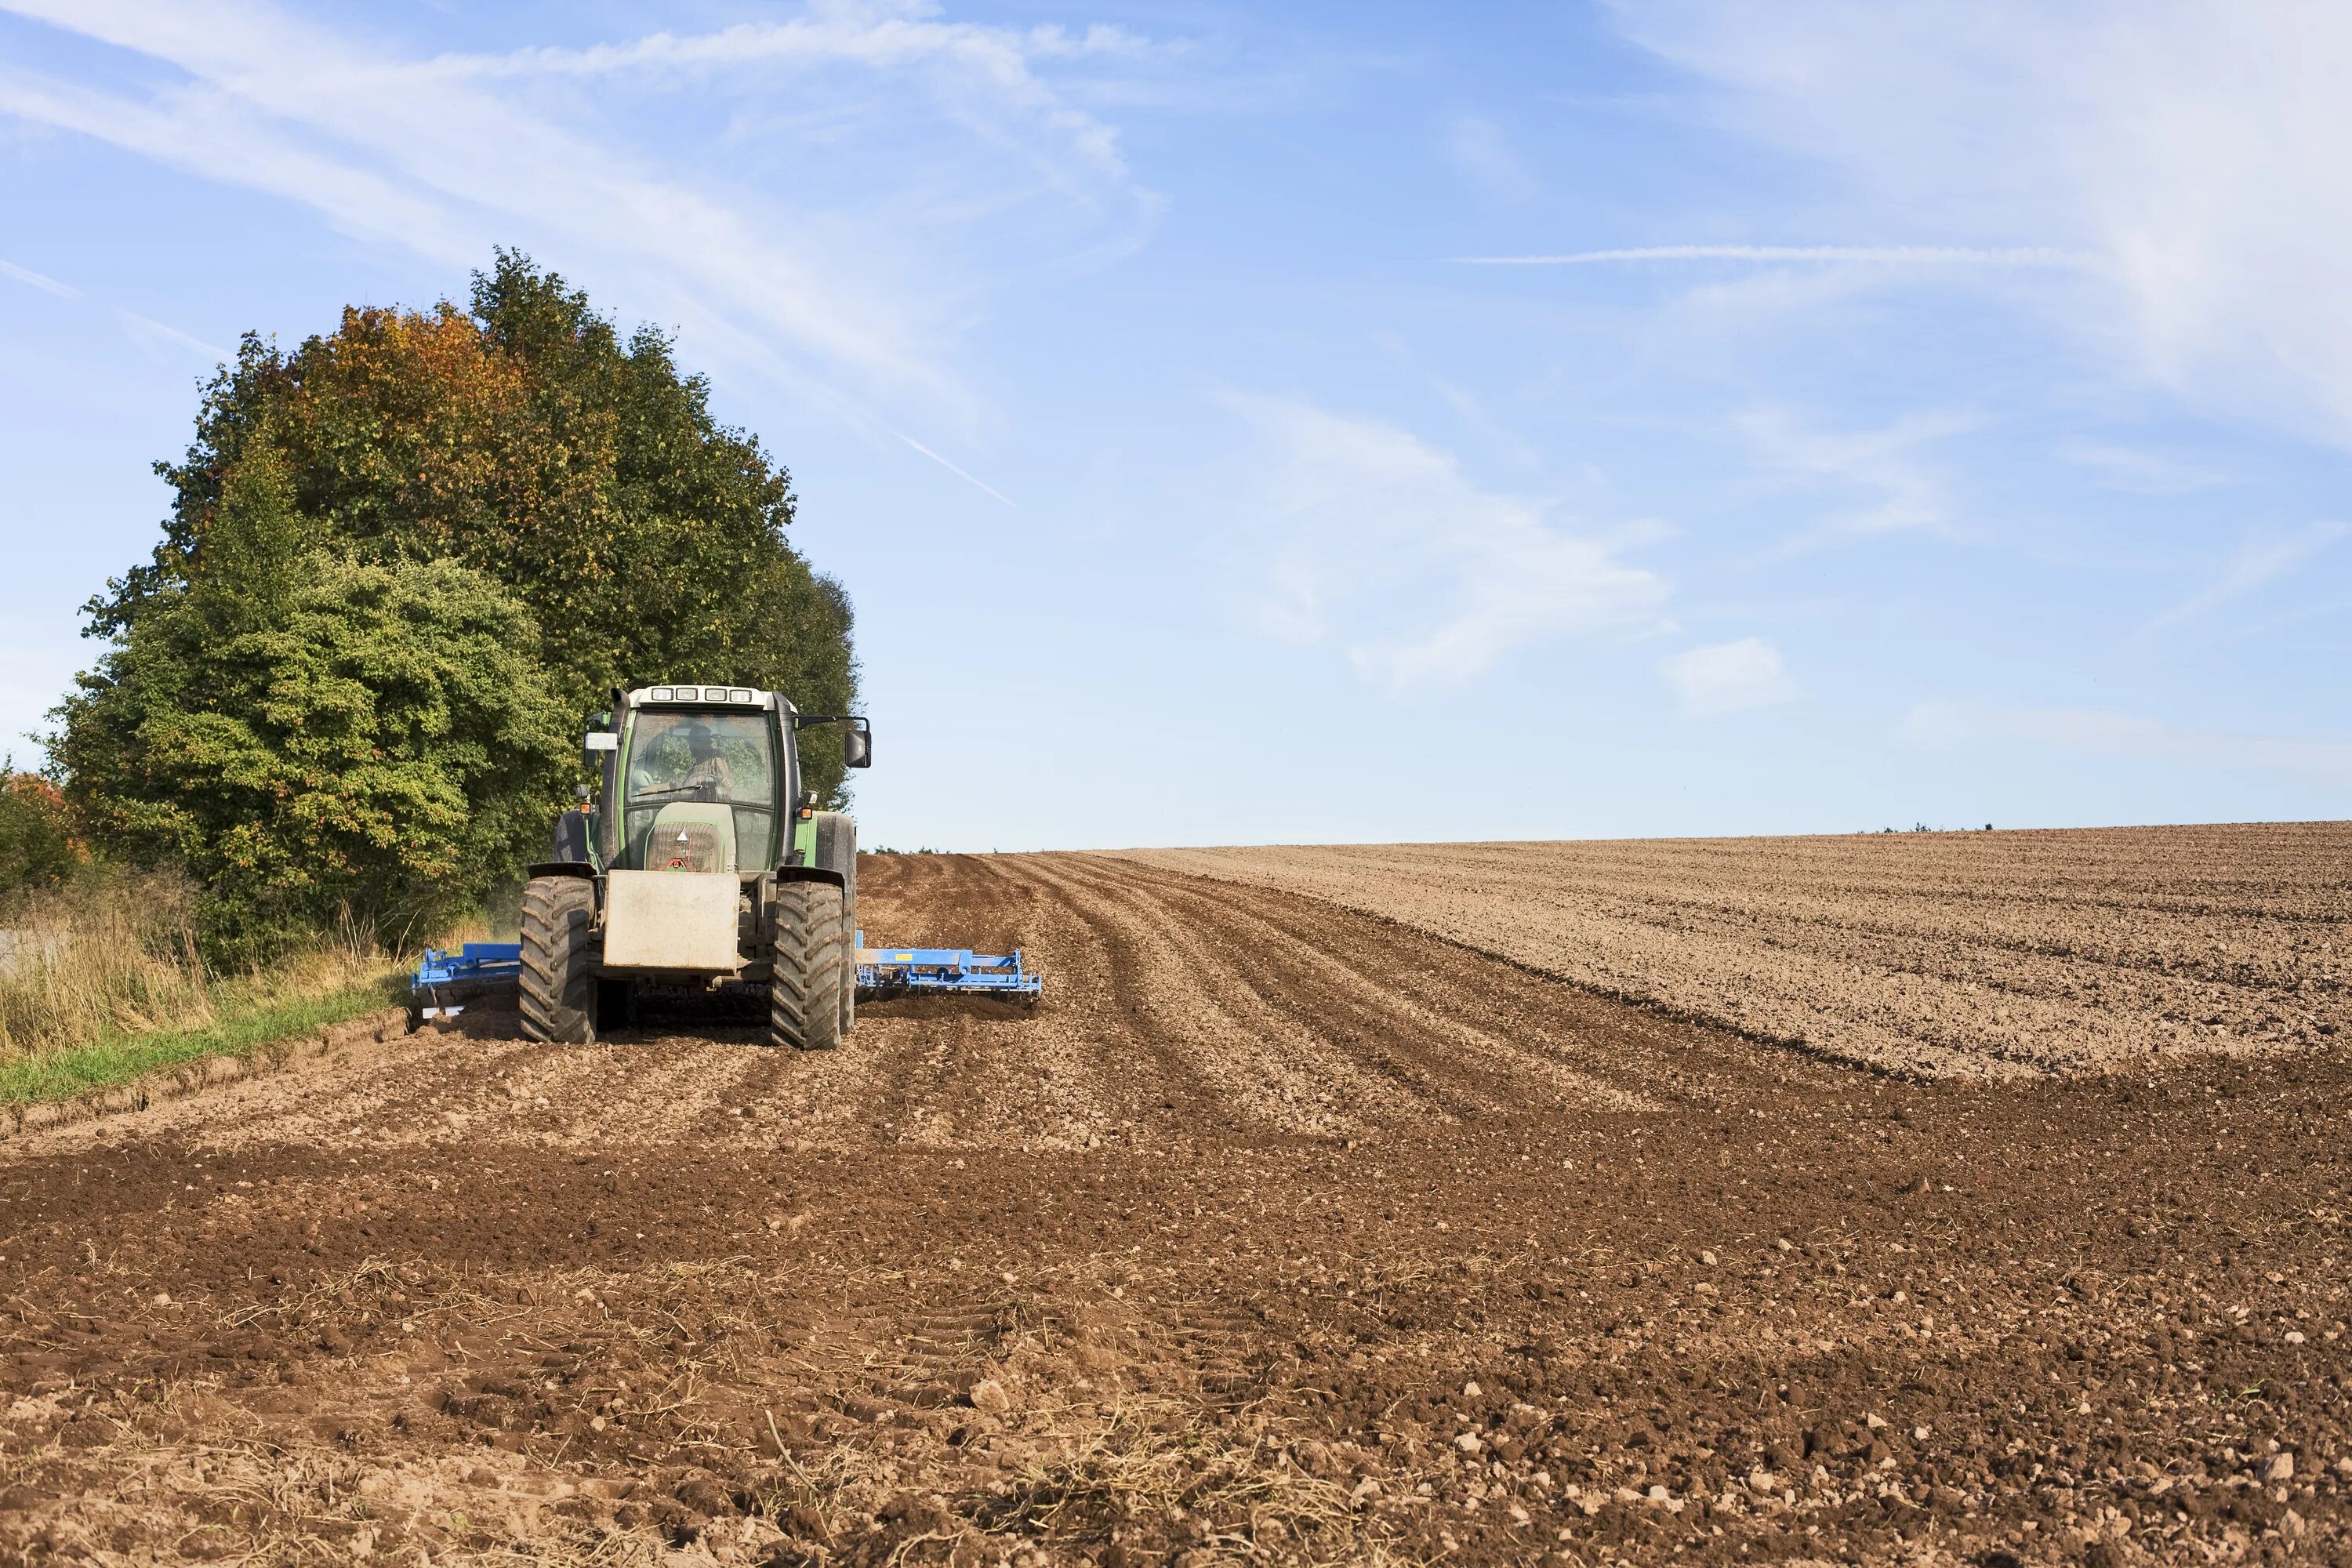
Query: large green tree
(402, 561)
(527, 439)
(317, 737)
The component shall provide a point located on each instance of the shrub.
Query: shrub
(37, 847)
(315, 738)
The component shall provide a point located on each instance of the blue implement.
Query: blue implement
(943, 971)
(446, 982)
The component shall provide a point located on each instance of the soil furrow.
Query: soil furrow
(1282, 1231)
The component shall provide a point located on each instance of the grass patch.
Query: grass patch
(239, 1027)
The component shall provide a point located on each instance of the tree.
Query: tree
(362, 739)
(401, 562)
(526, 439)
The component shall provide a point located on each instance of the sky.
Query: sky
(1335, 423)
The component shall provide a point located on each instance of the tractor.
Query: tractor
(699, 865)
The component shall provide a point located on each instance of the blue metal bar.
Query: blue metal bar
(475, 961)
(952, 970)
(446, 982)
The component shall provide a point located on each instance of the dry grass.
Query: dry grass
(1153, 1461)
(101, 956)
(111, 956)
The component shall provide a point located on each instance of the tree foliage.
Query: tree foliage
(38, 847)
(316, 736)
(527, 439)
(401, 561)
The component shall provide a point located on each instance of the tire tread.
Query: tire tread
(806, 968)
(561, 948)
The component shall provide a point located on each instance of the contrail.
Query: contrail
(39, 280)
(1895, 254)
(950, 467)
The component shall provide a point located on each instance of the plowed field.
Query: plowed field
(1933, 955)
(1280, 1231)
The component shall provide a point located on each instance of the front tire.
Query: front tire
(804, 966)
(561, 949)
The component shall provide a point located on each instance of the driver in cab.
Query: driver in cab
(685, 759)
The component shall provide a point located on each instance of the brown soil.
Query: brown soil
(1278, 1232)
(1928, 954)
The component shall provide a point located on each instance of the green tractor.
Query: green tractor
(700, 866)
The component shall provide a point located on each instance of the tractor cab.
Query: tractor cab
(701, 787)
(704, 779)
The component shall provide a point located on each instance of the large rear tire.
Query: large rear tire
(804, 966)
(561, 949)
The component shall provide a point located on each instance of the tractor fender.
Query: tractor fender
(835, 843)
(810, 874)
(563, 868)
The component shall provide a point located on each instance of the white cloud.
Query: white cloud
(1898, 491)
(147, 332)
(2139, 472)
(1483, 155)
(2257, 562)
(1365, 535)
(1871, 254)
(2195, 150)
(1729, 677)
(854, 257)
(1947, 726)
(39, 280)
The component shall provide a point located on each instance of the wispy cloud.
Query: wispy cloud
(1367, 536)
(148, 331)
(1729, 677)
(2258, 562)
(2195, 150)
(1948, 726)
(853, 291)
(1872, 255)
(1898, 489)
(1483, 153)
(2140, 472)
(39, 280)
(987, 74)
(875, 34)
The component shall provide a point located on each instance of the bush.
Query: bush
(37, 847)
(316, 738)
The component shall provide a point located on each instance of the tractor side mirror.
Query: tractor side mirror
(857, 744)
(601, 741)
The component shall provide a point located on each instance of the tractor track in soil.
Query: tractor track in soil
(1279, 1231)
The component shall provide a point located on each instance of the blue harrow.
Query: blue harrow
(486, 973)
(446, 982)
(943, 972)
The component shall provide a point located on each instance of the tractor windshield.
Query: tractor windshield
(713, 759)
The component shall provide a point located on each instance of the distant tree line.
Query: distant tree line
(401, 563)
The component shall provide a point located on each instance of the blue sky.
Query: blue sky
(1330, 423)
